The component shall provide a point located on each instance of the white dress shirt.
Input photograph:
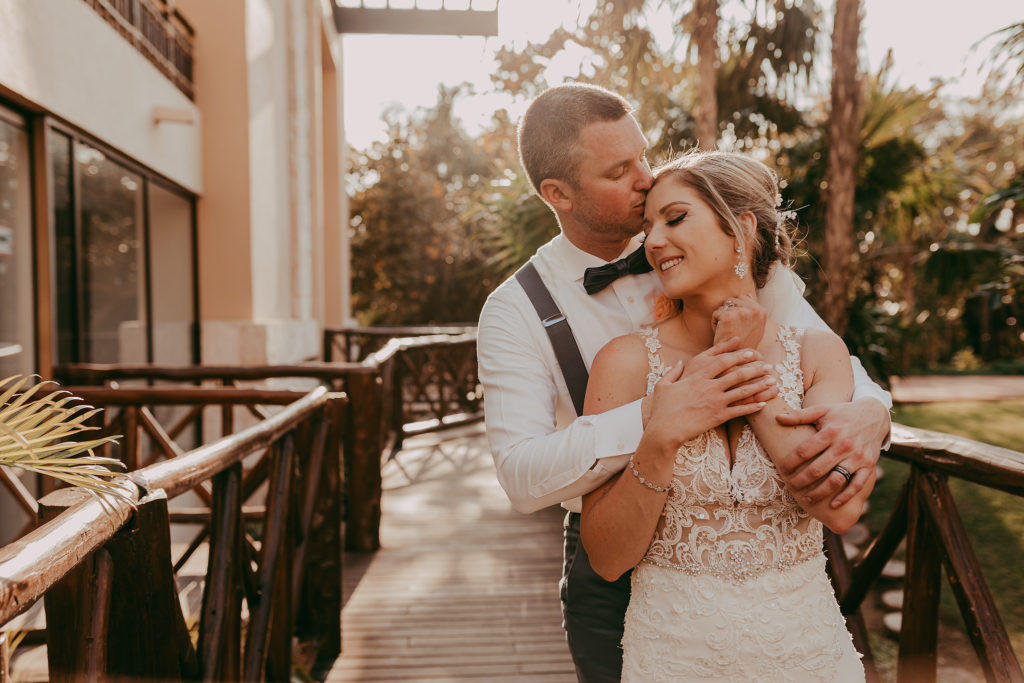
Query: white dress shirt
(544, 454)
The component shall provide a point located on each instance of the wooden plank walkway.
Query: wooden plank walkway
(464, 588)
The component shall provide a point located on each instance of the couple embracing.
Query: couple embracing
(655, 370)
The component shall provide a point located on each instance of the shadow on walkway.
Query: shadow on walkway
(463, 586)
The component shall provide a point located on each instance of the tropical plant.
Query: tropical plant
(39, 425)
(842, 162)
(1007, 56)
(935, 261)
(510, 222)
(413, 260)
(701, 23)
(9, 642)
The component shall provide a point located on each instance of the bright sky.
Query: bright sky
(929, 38)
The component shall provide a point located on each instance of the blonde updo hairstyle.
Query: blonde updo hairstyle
(733, 184)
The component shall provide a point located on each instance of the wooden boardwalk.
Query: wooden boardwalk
(464, 588)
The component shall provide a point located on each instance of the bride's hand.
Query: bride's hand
(720, 384)
(740, 316)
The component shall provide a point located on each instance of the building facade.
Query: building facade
(172, 182)
(171, 179)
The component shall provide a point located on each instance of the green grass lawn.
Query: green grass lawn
(994, 520)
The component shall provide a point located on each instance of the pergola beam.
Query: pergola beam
(445, 22)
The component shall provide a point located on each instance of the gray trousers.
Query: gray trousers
(593, 612)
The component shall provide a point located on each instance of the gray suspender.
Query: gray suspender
(562, 340)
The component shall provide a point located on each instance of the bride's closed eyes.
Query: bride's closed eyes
(677, 220)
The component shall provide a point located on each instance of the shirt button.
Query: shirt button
(620, 446)
(629, 299)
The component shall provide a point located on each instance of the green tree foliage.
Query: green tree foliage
(440, 218)
(1007, 57)
(412, 257)
(923, 263)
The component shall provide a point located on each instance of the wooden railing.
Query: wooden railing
(106, 574)
(430, 383)
(926, 515)
(357, 343)
(110, 575)
(409, 385)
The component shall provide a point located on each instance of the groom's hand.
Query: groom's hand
(849, 435)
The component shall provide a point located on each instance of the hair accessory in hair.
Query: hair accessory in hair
(781, 217)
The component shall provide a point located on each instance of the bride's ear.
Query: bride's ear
(748, 224)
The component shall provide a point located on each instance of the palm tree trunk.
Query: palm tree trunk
(705, 28)
(842, 162)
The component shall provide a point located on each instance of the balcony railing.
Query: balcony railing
(158, 31)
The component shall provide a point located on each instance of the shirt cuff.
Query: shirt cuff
(618, 432)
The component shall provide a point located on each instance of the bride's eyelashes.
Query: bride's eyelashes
(677, 220)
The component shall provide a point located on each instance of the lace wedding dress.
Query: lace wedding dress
(733, 586)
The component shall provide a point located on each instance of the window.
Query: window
(171, 267)
(125, 276)
(17, 301)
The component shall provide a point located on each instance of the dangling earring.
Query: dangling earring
(741, 266)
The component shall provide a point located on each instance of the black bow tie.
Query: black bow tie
(596, 279)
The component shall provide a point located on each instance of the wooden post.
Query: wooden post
(220, 625)
(877, 554)
(363, 440)
(394, 375)
(76, 606)
(282, 627)
(841, 574)
(328, 352)
(318, 560)
(227, 419)
(922, 584)
(130, 440)
(984, 625)
(148, 635)
(274, 596)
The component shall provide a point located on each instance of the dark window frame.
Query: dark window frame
(52, 126)
(14, 115)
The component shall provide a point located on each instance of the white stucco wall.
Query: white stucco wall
(63, 57)
(270, 182)
(278, 184)
(267, 200)
(280, 146)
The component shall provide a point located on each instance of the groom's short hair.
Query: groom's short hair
(550, 129)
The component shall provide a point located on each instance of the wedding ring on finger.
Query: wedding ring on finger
(729, 303)
(845, 473)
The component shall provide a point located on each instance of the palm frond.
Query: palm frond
(14, 638)
(40, 427)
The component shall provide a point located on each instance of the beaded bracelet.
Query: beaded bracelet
(640, 478)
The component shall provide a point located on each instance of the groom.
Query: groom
(584, 154)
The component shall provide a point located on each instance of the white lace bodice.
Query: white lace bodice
(734, 520)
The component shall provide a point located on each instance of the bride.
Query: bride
(730, 580)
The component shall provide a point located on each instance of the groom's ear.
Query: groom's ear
(557, 193)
